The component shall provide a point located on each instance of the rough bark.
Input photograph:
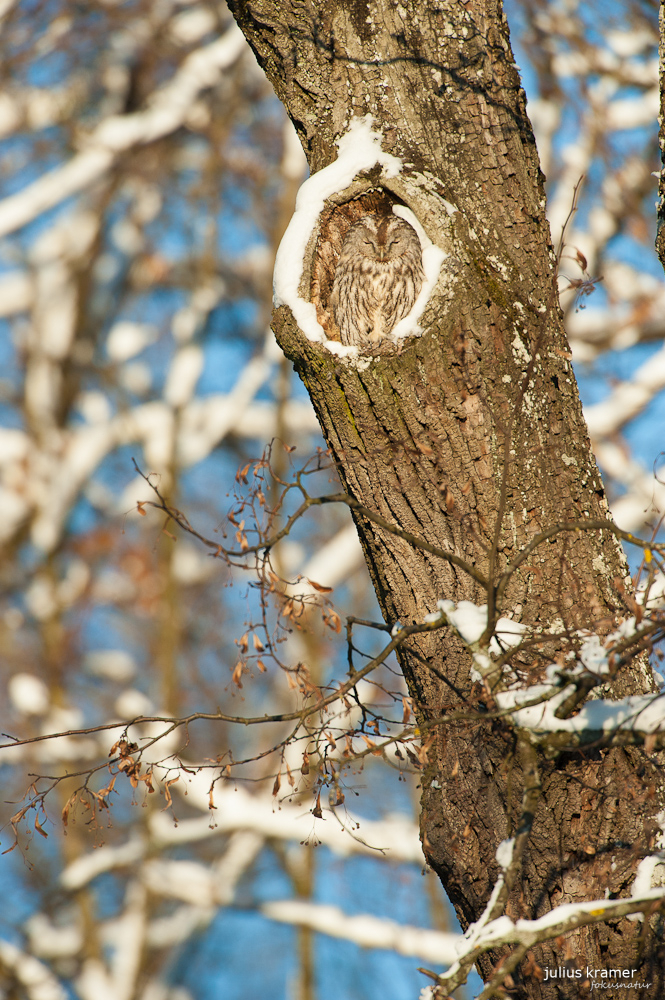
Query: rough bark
(471, 437)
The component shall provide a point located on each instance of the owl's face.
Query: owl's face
(381, 238)
(378, 278)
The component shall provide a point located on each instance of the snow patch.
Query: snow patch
(470, 621)
(28, 694)
(504, 853)
(127, 339)
(433, 258)
(112, 664)
(646, 876)
(643, 713)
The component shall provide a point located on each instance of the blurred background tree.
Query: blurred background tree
(148, 173)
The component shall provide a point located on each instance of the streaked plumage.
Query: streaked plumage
(377, 279)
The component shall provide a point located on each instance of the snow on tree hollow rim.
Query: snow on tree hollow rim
(359, 149)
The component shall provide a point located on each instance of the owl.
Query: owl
(378, 277)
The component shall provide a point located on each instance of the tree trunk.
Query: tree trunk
(472, 438)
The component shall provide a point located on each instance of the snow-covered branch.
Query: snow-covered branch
(167, 111)
(34, 976)
(547, 711)
(366, 931)
(561, 920)
(628, 399)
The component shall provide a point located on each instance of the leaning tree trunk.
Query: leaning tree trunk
(470, 437)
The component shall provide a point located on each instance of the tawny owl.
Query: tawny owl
(377, 279)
